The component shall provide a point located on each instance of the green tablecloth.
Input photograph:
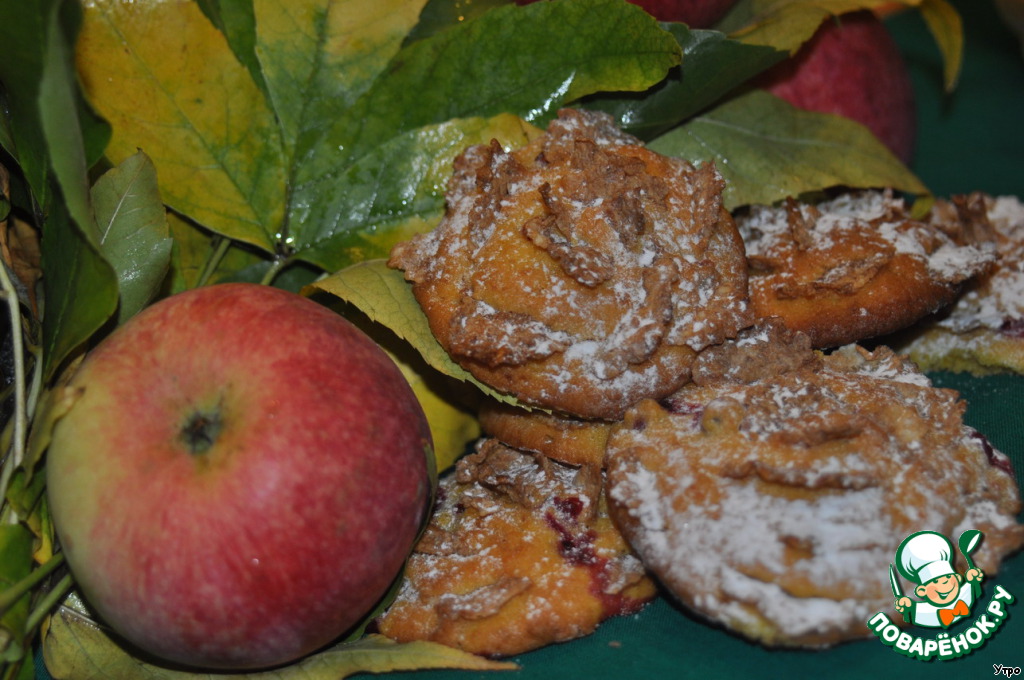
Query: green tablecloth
(968, 140)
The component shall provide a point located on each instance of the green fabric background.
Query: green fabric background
(968, 140)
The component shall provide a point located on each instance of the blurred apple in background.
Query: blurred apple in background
(240, 479)
(1012, 14)
(693, 13)
(852, 67)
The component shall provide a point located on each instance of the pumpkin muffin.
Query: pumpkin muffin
(983, 331)
(582, 272)
(773, 504)
(853, 267)
(519, 553)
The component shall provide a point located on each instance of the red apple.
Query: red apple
(693, 13)
(240, 479)
(852, 67)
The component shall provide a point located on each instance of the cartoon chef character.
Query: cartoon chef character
(926, 558)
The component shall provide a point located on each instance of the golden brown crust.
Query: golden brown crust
(854, 267)
(766, 349)
(983, 331)
(520, 553)
(568, 440)
(582, 272)
(774, 507)
(582, 442)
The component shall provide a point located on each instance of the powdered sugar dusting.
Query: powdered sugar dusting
(877, 215)
(999, 294)
(982, 330)
(582, 272)
(519, 553)
(765, 505)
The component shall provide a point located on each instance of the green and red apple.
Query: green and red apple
(240, 477)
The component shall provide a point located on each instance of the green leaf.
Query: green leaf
(95, 131)
(15, 564)
(946, 27)
(350, 148)
(6, 136)
(80, 288)
(75, 648)
(27, 32)
(52, 405)
(438, 15)
(236, 19)
(23, 31)
(318, 57)
(25, 491)
(134, 236)
(767, 150)
(62, 129)
(26, 496)
(26, 669)
(386, 297)
(613, 45)
(455, 74)
(170, 85)
(18, 193)
(5, 200)
(712, 66)
(393, 192)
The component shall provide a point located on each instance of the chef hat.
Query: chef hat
(924, 556)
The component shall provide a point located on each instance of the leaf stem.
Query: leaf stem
(37, 384)
(17, 452)
(275, 269)
(9, 597)
(220, 248)
(49, 601)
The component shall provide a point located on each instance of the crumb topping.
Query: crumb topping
(763, 504)
(584, 259)
(996, 299)
(519, 553)
(868, 229)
